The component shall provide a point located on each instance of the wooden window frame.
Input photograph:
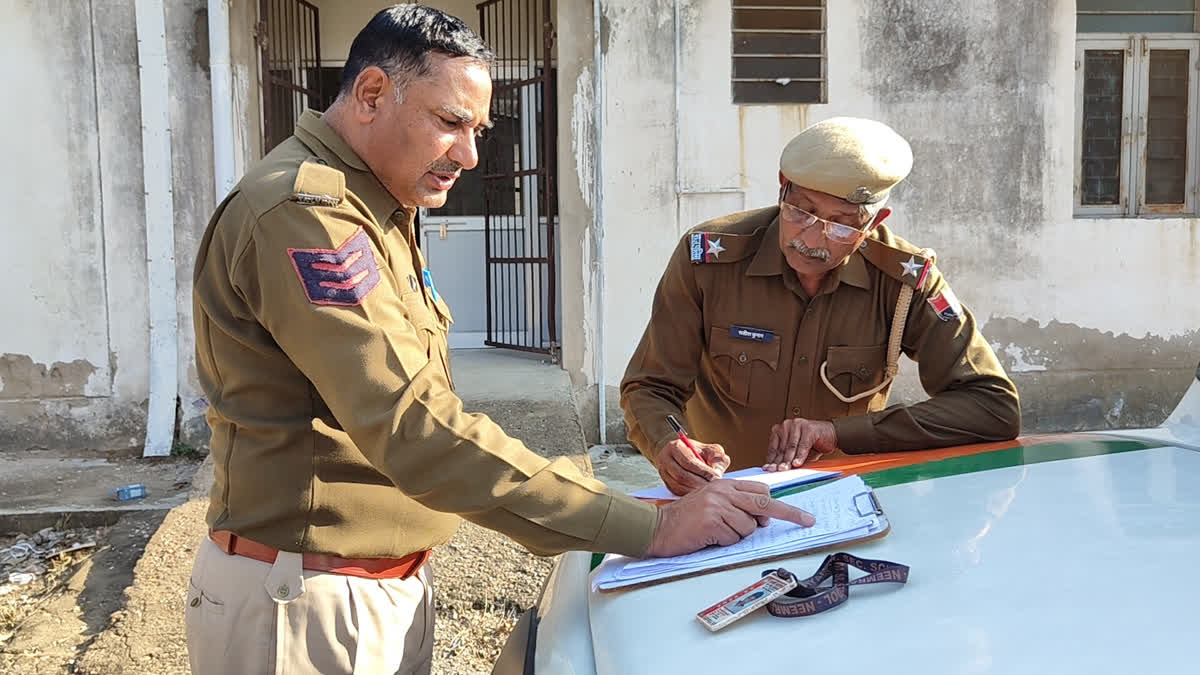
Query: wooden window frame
(1135, 103)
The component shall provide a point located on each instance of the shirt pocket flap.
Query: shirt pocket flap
(418, 313)
(443, 310)
(863, 363)
(743, 351)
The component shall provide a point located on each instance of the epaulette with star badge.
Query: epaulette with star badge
(721, 247)
(318, 184)
(729, 238)
(898, 258)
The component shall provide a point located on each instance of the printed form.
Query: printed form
(840, 517)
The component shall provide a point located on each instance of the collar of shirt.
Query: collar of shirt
(769, 261)
(312, 130)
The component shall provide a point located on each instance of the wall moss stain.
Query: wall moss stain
(1061, 346)
(1073, 378)
(22, 378)
(75, 424)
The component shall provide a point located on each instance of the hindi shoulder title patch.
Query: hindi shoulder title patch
(337, 277)
(945, 305)
(705, 248)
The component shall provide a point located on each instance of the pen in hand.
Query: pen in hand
(683, 437)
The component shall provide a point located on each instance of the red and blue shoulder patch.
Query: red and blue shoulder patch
(945, 304)
(337, 277)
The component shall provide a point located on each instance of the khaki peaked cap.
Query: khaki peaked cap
(856, 159)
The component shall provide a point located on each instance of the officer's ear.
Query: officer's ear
(369, 87)
(879, 218)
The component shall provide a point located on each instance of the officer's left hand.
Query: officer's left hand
(793, 440)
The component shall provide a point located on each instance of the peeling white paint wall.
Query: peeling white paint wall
(52, 195)
(576, 68)
(76, 213)
(583, 136)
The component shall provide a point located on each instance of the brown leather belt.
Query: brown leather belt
(810, 597)
(369, 568)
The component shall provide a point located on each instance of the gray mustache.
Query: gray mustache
(445, 167)
(821, 254)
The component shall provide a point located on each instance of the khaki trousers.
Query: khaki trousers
(246, 616)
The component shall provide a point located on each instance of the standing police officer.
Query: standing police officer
(776, 332)
(342, 454)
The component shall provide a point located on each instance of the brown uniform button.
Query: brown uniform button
(803, 359)
(795, 412)
(862, 371)
(742, 357)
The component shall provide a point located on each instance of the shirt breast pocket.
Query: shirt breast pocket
(743, 369)
(854, 371)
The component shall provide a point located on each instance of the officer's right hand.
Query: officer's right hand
(682, 472)
(720, 513)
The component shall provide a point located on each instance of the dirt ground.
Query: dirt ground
(52, 624)
(118, 607)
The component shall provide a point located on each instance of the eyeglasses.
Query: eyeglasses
(794, 215)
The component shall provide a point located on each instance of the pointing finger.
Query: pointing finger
(763, 505)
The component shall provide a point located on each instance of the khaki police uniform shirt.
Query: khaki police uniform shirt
(736, 345)
(322, 350)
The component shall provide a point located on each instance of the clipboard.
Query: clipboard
(865, 502)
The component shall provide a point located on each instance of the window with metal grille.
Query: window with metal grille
(1136, 107)
(779, 51)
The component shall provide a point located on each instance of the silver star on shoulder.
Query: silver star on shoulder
(912, 266)
(715, 247)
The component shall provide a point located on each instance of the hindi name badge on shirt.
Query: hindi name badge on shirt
(750, 333)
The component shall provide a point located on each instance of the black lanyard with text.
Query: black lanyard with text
(808, 597)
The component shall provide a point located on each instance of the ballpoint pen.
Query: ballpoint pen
(683, 437)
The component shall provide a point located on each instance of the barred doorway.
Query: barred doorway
(289, 38)
(517, 176)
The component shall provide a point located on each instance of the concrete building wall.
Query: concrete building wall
(342, 19)
(1095, 319)
(246, 62)
(73, 368)
(192, 165)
